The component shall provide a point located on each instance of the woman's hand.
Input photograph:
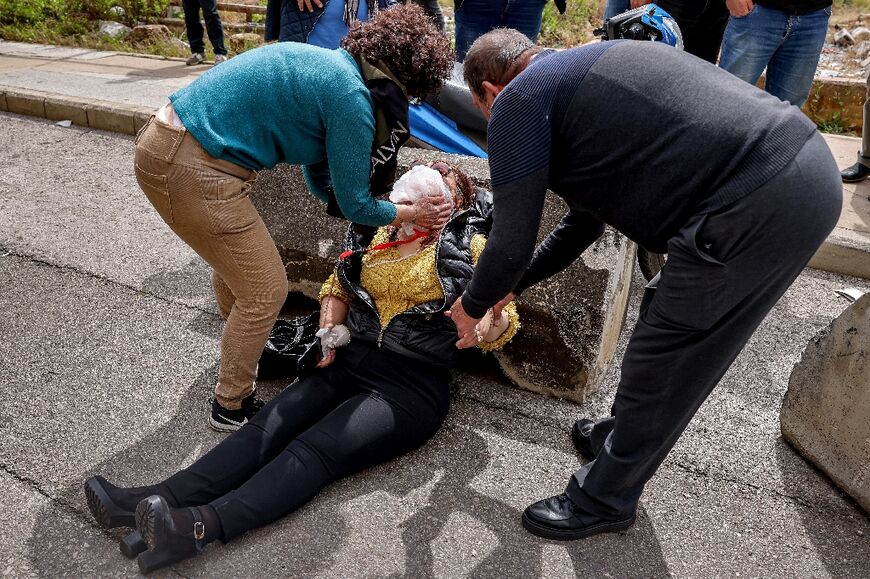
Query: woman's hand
(326, 361)
(497, 327)
(308, 5)
(431, 211)
(498, 308)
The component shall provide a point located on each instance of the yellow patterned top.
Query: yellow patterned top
(398, 283)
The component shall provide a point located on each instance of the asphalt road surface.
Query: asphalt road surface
(109, 349)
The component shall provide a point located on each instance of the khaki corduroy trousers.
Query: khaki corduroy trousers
(205, 202)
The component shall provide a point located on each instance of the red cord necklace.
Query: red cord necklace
(417, 235)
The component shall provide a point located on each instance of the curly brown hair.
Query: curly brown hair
(404, 39)
(466, 188)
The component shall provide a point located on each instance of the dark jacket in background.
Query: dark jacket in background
(298, 24)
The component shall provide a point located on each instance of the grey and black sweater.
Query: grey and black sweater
(632, 134)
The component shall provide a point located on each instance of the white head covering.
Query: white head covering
(419, 181)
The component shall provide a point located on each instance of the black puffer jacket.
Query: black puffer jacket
(422, 332)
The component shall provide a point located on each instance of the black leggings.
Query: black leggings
(367, 407)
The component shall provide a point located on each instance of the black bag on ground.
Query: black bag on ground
(292, 348)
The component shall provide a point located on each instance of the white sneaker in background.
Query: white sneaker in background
(195, 58)
(219, 58)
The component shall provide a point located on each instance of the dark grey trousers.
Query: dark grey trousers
(864, 153)
(724, 273)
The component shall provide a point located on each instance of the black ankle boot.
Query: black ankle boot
(167, 542)
(103, 501)
(132, 545)
(113, 506)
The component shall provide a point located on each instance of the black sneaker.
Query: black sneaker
(224, 420)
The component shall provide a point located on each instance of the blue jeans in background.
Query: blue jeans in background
(212, 24)
(477, 17)
(789, 46)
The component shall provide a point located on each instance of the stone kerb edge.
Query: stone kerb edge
(94, 114)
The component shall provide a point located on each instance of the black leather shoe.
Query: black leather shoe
(166, 543)
(581, 435)
(561, 519)
(856, 173)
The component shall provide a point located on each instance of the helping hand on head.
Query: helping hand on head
(433, 211)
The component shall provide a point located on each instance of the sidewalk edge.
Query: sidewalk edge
(836, 255)
(91, 113)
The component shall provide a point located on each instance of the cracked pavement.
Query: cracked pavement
(109, 349)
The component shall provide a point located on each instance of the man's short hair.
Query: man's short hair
(494, 57)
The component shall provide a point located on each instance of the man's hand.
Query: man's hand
(465, 326)
(739, 8)
(308, 5)
(639, 3)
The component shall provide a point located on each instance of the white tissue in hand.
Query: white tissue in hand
(419, 181)
(332, 338)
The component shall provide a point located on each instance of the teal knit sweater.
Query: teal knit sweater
(290, 103)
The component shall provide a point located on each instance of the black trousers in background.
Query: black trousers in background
(367, 407)
(212, 24)
(702, 23)
(724, 273)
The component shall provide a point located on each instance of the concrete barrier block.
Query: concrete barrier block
(570, 323)
(29, 103)
(826, 411)
(106, 117)
(60, 108)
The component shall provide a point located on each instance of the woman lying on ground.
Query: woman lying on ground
(378, 397)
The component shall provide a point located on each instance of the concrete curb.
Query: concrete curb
(95, 114)
(843, 256)
(837, 255)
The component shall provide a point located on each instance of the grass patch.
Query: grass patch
(834, 125)
(857, 4)
(82, 33)
(572, 28)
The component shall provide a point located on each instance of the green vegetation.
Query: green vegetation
(76, 23)
(834, 125)
(859, 4)
(572, 28)
(35, 12)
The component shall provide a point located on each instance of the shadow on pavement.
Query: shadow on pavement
(313, 539)
(517, 553)
(176, 283)
(147, 460)
(834, 533)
